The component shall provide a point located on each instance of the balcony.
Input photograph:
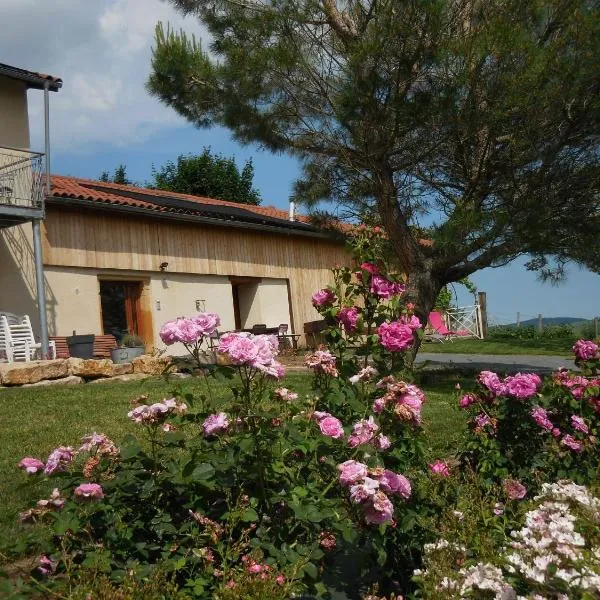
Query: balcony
(22, 186)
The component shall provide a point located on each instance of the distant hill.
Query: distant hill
(553, 321)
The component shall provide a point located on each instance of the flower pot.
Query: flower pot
(125, 355)
(81, 346)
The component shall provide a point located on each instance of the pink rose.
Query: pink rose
(379, 510)
(188, 331)
(540, 416)
(348, 317)
(385, 289)
(439, 467)
(362, 432)
(467, 400)
(285, 394)
(570, 442)
(59, 459)
(382, 442)
(351, 472)
(207, 322)
(227, 339)
(362, 492)
(31, 465)
(322, 361)
(46, 565)
(88, 491)
(379, 405)
(522, 385)
(585, 350)
(412, 399)
(491, 381)
(169, 333)
(579, 424)
(369, 267)
(242, 350)
(394, 483)
(514, 489)
(280, 579)
(255, 568)
(331, 427)
(412, 321)
(395, 336)
(323, 297)
(214, 424)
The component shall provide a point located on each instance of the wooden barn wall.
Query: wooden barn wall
(105, 241)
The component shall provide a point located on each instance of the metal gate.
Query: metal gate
(465, 321)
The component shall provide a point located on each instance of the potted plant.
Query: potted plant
(130, 347)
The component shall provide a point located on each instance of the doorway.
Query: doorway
(121, 308)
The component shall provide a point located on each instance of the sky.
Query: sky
(103, 117)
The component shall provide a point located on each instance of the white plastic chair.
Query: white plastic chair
(5, 341)
(19, 340)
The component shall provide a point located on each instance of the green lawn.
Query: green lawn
(36, 420)
(559, 347)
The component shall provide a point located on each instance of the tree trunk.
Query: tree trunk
(422, 290)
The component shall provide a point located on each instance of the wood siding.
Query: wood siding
(105, 241)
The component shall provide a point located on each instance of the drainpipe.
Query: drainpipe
(37, 236)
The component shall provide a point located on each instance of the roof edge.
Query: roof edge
(33, 80)
(332, 236)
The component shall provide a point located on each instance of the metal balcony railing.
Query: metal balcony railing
(22, 179)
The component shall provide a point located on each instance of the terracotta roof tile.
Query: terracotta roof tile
(87, 189)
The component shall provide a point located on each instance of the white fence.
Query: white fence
(466, 320)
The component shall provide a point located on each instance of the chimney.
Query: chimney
(292, 210)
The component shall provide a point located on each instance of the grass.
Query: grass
(36, 420)
(549, 347)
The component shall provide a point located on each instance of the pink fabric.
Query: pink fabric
(437, 322)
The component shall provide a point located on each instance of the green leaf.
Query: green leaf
(249, 515)
(202, 472)
(311, 570)
(131, 450)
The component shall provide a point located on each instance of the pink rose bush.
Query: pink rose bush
(519, 418)
(253, 351)
(189, 331)
(155, 414)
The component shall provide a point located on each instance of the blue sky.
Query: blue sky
(103, 117)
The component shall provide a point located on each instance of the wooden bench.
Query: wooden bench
(103, 344)
(312, 331)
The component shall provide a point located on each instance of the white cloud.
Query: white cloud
(102, 51)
